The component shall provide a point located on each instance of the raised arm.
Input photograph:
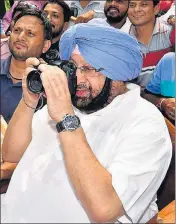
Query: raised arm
(19, 131)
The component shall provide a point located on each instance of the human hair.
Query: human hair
(42, 16)
(156, 2)
(21, 6)
(65, 7)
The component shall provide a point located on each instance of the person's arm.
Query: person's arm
(165, 105)
(169, 14)
(84, 18)
(91, 14)
(101, 202)
(19, 132)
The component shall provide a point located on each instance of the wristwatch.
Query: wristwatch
(68, 123)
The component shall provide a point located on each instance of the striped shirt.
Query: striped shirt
(159, 45)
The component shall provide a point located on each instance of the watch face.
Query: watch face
(71, 122)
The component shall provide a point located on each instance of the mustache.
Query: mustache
(82, 86)
(113, 7)
(20, 42)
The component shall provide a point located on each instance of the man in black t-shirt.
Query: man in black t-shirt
(59, 15)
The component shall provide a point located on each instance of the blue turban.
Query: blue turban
(104, 47)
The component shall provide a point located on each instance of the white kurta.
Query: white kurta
(130, 139)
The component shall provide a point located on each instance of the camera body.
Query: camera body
(34, 82)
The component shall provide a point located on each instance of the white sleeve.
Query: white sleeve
(170, 12)
(140, 166)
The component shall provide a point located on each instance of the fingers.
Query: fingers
(28, 70)
(32, 62)
(171, 111)
(73, 19)
(171, 115)
(80, 20)
(54, 80)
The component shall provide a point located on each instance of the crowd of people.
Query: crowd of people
(93, 145)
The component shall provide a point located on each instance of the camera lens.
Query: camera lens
(34, 82)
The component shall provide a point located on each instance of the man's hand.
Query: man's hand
(84, 18)
(57, 92)
(171, 20)
(168, 107)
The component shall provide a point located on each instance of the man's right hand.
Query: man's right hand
(30, 98)
(168, 107)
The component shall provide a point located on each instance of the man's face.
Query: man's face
(142, 12)
(89, 83)
(116, 10)
(56, 17)
(27, 38)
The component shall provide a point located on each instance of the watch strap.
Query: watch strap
(60, 127)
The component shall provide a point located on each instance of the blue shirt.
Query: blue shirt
(163, 80)
(10, 93)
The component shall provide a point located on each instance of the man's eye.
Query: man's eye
(16, 30)
(144, 4)
(31, 34)
(56, 16)
(131, 5)
(119, 1)
(85, 69)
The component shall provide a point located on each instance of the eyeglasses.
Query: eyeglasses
(88, 71)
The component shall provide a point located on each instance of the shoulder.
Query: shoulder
(164, 27)
(101, 3)
(99, 21)
(5, 64)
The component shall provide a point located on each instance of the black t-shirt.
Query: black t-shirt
(52, 53)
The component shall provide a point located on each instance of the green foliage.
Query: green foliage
(7, 5)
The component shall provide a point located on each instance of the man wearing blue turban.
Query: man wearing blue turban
(102, 160)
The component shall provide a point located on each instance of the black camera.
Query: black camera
(34, 82)
(74, 11)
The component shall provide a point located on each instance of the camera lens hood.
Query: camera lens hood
(34, 82)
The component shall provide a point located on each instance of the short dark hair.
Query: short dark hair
(64, 5)
(42, 16)
(22, 5)
(156, 2)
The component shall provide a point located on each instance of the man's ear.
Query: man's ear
(47, 45)
(65, 26)
(156, 9)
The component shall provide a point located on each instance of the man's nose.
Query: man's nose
(137, 8)
(49, 17)
(21, 36)
(80, 76)
(114, 3)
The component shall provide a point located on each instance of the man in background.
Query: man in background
(30, 37)
(155, 37)
(58, 13)
(116, 15)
